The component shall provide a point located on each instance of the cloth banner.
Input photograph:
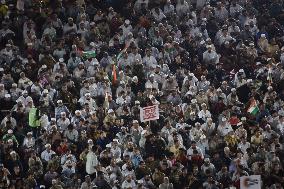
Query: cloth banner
(149, 113)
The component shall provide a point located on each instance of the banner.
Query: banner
(250, 182)
(149, 113)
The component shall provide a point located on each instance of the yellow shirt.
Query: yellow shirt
(256, 140)
(174, 149)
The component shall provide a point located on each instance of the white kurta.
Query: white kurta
(91, 163)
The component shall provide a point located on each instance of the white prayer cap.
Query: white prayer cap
(92, 44)
(140, 181)
(203, 104)
(194, 101)
(110, 111)
(243, 118)
(224, 119)
(240, 123)
(135, 78)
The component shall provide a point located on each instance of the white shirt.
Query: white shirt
(126, 184)
(282, 58)
(45, 155)
(50, 31)
(224, 129)
(68, 28)
(190, 151)
(204, 114)
(126, 30)
(182, 8)
(63, 124)
(91, 162)
(280, 127)
(158, 16)
(149, 61)
(210, 57)
(169, 9)
(243, 147)
(221, 14)
(116, 152)
(152, 85)
(29, 142)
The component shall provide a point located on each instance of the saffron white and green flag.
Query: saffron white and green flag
(253, 108)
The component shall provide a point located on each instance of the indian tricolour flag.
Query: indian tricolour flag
(253, 108)
(121, 52)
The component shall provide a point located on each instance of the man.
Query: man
(60, 108)
(70, 27)
(210, 56)
(128, 183)
(193, 148)
(10, 136)
(87, 184)
(126, 27)
(46, 155)
(63, 121)
(91, 162)
(166, 184)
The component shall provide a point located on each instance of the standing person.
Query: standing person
(91, 162)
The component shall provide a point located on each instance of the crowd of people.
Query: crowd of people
(74, 75)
